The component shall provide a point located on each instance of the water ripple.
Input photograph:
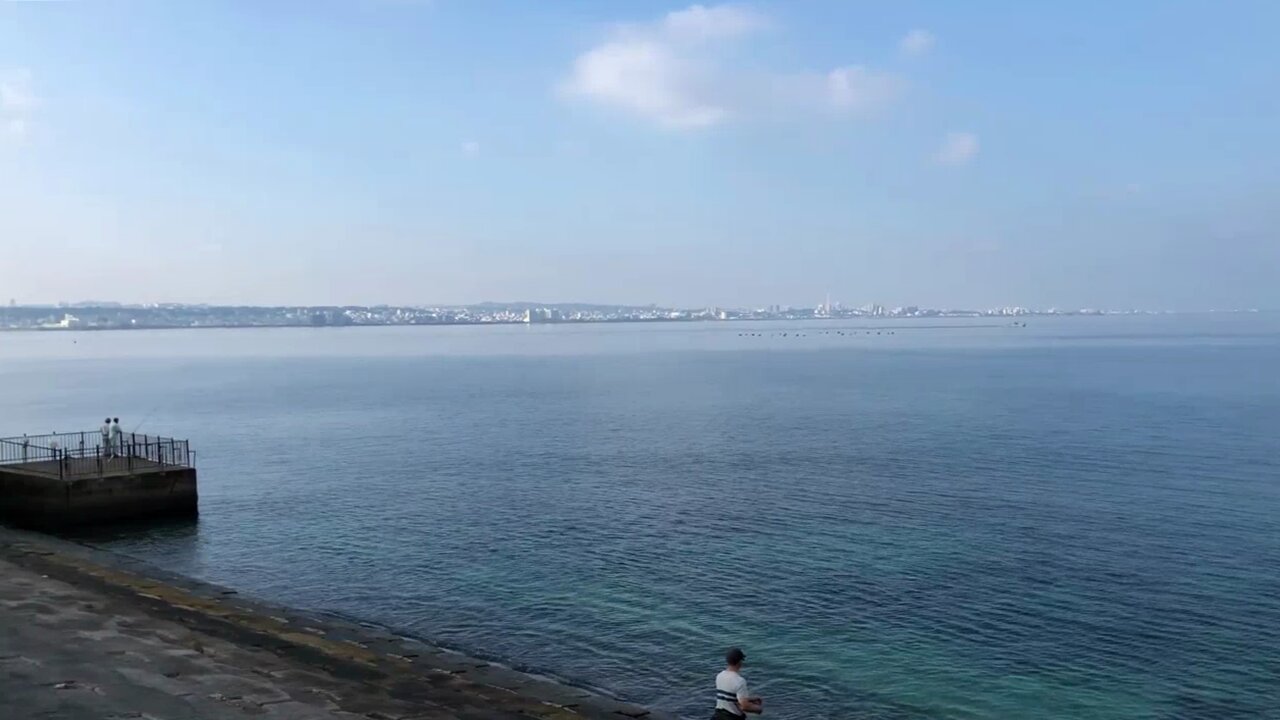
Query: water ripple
(1083, 531)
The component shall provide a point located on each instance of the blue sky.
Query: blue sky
(935, 153)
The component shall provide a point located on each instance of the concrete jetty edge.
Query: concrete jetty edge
(374, 660)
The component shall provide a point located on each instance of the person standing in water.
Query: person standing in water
(733, 699)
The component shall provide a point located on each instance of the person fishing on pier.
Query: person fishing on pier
(106, 438)
(115, 437)
(733, 699)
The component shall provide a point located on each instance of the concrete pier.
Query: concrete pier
(69, 479)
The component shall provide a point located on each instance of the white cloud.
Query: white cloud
(860, 89)
(471, 147)
(699, 22)
(683, 71)
(647, 77)
(16, 102)
(916, 43)
(15, 91)
(958, 148)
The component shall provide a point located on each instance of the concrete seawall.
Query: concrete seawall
(89, 634)
(46, 501)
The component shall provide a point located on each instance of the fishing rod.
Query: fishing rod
(144, 419)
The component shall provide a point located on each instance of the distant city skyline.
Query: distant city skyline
(1119, 155)
(827, 305)
(122, 317)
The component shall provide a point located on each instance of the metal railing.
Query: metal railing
(90, 454)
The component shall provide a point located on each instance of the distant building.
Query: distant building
(540, 315)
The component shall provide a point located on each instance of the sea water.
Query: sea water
(1079, 518)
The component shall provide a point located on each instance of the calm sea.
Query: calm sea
(1076, 519)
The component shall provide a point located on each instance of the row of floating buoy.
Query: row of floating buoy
(851, 333)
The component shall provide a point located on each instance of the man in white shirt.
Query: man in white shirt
(106, 438)
(733, 700)
(115, 438)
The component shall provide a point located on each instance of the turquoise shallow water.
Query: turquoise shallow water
(1076, 519)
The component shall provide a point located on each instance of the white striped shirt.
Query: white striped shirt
(731, 689)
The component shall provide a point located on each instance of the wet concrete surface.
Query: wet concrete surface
(89, 635)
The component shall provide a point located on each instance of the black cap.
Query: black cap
(735, 656)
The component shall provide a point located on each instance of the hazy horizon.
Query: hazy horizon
(90, 303)
(731, 155)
